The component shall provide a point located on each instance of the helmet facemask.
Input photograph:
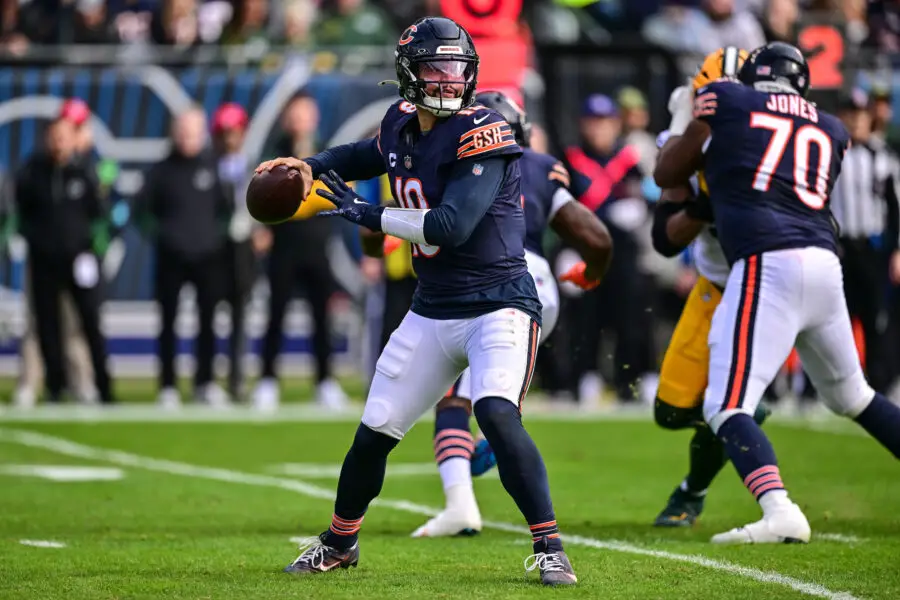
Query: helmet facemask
(440, 85)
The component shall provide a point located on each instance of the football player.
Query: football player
(454, 171)
(547, 201)
(770, 159)
(683, 375)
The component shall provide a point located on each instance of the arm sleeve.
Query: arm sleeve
(466, 200)
(661, 242)
(353, 162)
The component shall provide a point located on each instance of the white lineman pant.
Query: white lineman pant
(774, 302)
(425, 356)
(548, 294)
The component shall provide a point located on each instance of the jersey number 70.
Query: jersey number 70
(804, 137)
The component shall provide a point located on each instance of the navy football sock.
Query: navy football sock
(362, 476)
(521, 468)
(707, 456)
(453, 445)
(882, 420)
(752, 454)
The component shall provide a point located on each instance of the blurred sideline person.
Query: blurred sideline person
(299, 256)
(79, 371)
(245, 236)
(61, 209)
(184, 208)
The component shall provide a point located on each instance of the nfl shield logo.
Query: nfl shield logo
(477, 169)
(407, 161)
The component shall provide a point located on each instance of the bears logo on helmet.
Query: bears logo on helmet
(724, 62)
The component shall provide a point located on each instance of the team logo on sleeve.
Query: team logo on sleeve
(705, 104)
(477, 170)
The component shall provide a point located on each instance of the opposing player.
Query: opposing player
(771, 159)
(547, 201)
(455, 171)
(684, 217)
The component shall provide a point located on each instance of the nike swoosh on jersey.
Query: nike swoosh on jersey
(479, 120)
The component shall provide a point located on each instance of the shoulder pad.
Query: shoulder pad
(710, 99)
(482, 132)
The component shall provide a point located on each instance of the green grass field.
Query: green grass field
(208, 509)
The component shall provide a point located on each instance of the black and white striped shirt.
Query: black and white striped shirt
(866, 194)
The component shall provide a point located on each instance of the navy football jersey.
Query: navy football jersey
(488, 271)
(770, 166)
(542, 177)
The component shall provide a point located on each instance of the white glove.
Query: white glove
(681, 105)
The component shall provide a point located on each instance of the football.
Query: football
(275, 196)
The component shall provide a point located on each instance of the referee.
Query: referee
(865, 205)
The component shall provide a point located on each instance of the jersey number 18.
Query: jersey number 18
(804, 137)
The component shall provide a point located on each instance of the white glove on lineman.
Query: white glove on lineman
(681, 105)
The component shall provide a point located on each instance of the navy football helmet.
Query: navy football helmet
(437, 66)
(509, 110)
(776, 67)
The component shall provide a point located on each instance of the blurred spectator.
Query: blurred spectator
(229, 126)
(884, 25)
(622, 304)
(865, 204)
(883, 115)
(60, 209)
(681, 27)
(299, 256)
(184, 208)
(635, 120)
(91, 25)
(175, 23)
(248, 23)
(299, 18)
(780, 20)
(354, 22)
(79, 370)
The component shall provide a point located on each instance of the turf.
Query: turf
(225, 534)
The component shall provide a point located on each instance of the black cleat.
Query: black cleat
(682, 510)
(554, 566)
(316, 557)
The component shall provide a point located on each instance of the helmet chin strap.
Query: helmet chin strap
(444, 106)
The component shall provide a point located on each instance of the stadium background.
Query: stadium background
(555, 53)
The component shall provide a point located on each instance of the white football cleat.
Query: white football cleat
(461, 517)
(168, 399)
(787, 525)
(331, 396)
(448, 524)
(266, 395)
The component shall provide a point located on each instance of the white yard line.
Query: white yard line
(127, 459)
(535, 411)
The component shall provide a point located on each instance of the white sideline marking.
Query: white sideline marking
(536, 411)
(69, 448)
(333, 471)
(42, 543)
(64, 473)
(840, 537)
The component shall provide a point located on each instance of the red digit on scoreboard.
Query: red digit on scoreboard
(825, 66)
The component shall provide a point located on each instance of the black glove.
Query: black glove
(350, 205)
(699, 208)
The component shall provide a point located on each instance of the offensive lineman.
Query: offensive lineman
(684, 372)
(771, 159)
(455, 171)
